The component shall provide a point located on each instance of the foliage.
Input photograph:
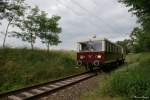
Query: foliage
(29, 27)
(138, 7)
(22, 67)
(38, 24)
(126, 44)
(32, 22)
(49, 29)
(141, 8)
(13, 13)
(140, 40)
(133, 81)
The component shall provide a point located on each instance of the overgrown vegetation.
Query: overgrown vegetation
(140, 36)
(134, 80)
(24, 67)
(126, 82)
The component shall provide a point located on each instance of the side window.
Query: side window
(113, 49)
(116, 49)
(109, 47)
(106, 46)
(119, 50)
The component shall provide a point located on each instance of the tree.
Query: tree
(141, 8)
(140, 35)
(2, 8)
(126, 44)
(29, 27)
(140, 40)
(52, 40)
(49, 30)
(52, 36)
(12, 12)
(138, 7)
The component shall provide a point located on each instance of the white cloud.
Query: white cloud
(81, 19)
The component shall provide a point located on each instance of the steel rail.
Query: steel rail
(47, 88)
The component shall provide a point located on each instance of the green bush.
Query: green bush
(134, 81)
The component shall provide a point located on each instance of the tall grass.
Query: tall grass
(23, 67)
(126, 82)
(134, 81)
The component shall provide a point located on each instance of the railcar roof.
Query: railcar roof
(84, 41)
(103, 39)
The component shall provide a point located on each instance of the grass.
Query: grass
(126, 82)
(23, 67)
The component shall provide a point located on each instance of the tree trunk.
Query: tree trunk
(48, 47)
(6, 34)
(32, 46)
(46, 43)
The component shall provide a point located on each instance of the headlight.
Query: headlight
(99, 56)
(81, 57)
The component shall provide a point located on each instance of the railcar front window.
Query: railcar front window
(91, 46)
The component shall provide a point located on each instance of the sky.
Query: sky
(82, 19)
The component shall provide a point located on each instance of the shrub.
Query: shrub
(134, 81)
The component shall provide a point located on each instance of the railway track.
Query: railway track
(41, 90)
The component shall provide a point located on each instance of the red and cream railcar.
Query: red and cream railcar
(98, 53)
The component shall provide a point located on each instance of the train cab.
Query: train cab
(90, 52)
(96, 53)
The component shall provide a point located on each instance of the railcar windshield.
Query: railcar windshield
(90, 46)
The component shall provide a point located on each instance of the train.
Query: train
(99, 53)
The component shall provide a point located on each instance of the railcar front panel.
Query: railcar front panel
(91, 57)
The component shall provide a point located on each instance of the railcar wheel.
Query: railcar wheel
(79, 63)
